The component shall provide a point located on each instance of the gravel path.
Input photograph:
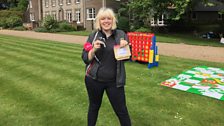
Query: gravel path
(205, 53)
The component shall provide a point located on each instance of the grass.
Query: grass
(42, 84)
(188, 39)
(80, 33)
(169, 38)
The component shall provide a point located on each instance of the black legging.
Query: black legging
(116, 97)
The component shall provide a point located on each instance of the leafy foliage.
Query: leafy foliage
(13, 21)
(123, 23)
(10, 19)
(65, 26)
(22, 5)
(144, 9)
(7, 13)
(141, 11)
(40, 29)
(19, 28)
(49, 22)
(143, 29)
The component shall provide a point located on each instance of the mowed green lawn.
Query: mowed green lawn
(42, 84)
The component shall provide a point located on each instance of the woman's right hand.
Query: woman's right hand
(97, 45)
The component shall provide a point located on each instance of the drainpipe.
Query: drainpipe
(84, 13)
(40, 8)
(103, 3)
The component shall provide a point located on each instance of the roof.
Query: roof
(218, 6)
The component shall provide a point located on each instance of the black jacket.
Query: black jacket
(120, 75)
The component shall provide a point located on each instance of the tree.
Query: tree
(149, 8)
(12, 3)
(22, 5)
(144, 10)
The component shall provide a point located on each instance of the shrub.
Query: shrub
(143, 29)
(3, 22)
(13, 21)
(22, 5)
(49, 22)
(55, 30)
(19, 28)
(40, 29)
(10, 18)
(8, 13)
(65, 26)
(123, 23)
(80, 28)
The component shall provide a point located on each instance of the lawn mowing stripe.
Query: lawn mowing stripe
(151, 96)
(41, 54)
(51, 47)
(47, 64)
(44, 103)
(59, 84)
(41, 42)
(42, 77)
(60, 72)
(144, 72)
(11, 104)
(132, 67)
(83, 67)
(65, 67)
(37, 49)
(40, 49)
(22, 51)
(54, 44)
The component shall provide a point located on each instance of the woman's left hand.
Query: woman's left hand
(123, 43)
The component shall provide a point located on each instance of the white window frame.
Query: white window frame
(54, 14)
(32, 18)
(220, 16)
(30, 4)
(160, 20)
(69, 15)
(78, 15)
(60, 2)
(192, 16)
(46, 3)
(91, 15)
(53, 3)
(77, 1)
(47, 13)
(68, 1)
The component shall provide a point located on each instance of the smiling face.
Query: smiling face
(105, 20)
(106, 23)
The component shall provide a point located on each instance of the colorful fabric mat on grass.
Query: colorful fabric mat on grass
(202, 80)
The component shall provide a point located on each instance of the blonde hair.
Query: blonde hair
(105, 12)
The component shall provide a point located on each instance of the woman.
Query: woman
(103, 71)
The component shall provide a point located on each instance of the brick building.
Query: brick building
(82, 12)
(35, 10)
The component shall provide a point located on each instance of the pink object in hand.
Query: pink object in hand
(88, 46)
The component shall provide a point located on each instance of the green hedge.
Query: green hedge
(10, 18)
(8, 13)
(65, 26)
(11, 22)
(49, 24)
(143, 29)
(123, 23)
